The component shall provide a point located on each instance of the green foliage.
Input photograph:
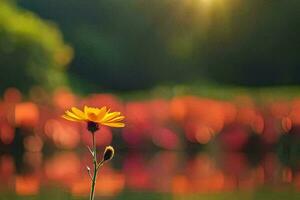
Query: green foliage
(32, 51)
(139, 43)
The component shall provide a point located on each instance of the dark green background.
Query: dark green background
(136, 44)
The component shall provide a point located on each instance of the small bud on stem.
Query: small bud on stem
(108, 153)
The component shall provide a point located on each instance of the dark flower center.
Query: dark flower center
(92, 126)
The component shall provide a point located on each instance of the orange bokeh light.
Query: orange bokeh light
(286, 124)
(7, 133)
(63, 98)
(26, 114)
(64, 167)
(27, 185)
(63, 133)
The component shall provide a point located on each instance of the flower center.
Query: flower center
(92, 116)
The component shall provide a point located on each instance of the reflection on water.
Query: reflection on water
(167, 172)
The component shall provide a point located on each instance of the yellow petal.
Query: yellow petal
(109, 116)
(94, 114)
(101, 113)
(72, 115)
(78, 112)
(95, 111)
(116, 119)
(90, 110)
(117, 124)
(70, 118)
(85, 110)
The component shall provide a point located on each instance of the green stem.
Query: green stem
(92, 194)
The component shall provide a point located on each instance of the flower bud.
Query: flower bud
(88, 168)
(108, 153)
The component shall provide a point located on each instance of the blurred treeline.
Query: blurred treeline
(32, 51)
(134, 44)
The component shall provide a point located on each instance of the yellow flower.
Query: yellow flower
(101, 116)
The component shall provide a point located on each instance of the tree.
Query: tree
(32, 51)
